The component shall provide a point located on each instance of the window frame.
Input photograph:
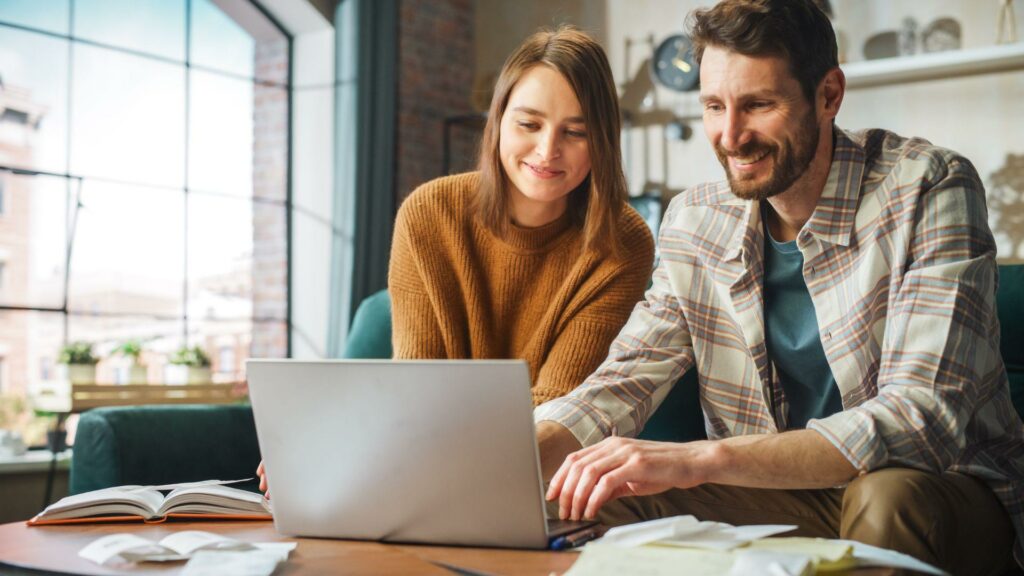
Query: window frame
(74, 181)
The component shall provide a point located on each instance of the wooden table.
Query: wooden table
(55, 548)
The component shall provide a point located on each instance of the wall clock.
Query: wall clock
(673, 65)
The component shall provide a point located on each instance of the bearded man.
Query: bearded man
(837, 298)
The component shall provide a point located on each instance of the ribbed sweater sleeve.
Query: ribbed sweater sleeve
(415, 333)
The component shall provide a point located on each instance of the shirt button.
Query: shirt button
(828, 335)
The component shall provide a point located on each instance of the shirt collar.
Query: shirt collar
(832, 220)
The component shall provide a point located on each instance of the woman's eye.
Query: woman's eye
(576, 133)
(527, 125)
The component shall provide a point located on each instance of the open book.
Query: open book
(193, 500)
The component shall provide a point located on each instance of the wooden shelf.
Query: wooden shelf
(83, 397)
(935, 66)
(902, 70)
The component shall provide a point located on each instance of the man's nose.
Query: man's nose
(734, 131)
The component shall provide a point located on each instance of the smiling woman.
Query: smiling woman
(537, 256)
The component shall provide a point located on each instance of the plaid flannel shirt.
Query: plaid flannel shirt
(900, 264)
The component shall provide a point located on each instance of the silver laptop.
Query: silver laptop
(432, 451)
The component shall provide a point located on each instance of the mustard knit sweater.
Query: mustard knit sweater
(459, 291)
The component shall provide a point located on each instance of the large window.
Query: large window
(144, 177)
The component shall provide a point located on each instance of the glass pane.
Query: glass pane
(128, 254)
(237, 259)
(272, 61)
(33, 240)
(220, 261)
(221, 134)
(29, 343)
(270, 261)
(152, 26)
(49, 15)
(269, 340)
(33, 100)
(270, 146)
(226, 343)
(219, 41)
(158, 338)
(128, 118)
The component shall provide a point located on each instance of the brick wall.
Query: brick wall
(435, 78)
(270, 174)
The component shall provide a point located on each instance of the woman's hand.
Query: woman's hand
(264, 487)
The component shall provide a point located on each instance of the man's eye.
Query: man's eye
(760, 104)
(713, 107)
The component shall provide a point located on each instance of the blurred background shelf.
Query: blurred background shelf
(83, 397)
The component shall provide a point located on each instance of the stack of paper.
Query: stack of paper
(689, 532)
(713, 548)
(207, 553)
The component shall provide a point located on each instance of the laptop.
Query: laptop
(431, 451)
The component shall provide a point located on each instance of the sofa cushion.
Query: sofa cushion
(1010, 306)
(163, 444)
(370, 333)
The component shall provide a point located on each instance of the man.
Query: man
(837, 299)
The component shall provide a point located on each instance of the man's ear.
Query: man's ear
(830, 94)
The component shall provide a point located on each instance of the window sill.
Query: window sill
(33, 461)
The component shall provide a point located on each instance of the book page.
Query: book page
(132, 500)
(214, 500)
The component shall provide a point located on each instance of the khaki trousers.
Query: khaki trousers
(949, 520)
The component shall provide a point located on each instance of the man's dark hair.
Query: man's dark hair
(795, 30)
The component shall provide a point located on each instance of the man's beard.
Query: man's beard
(789, 162)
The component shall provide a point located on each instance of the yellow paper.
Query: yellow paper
(830, 554)
(608, 560)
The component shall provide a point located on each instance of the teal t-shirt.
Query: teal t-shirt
(792, 339)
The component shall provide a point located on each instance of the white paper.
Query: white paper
(867, 555)
(188, 541)
(770, 563)
(247, 563)
(688, 531)
(126, 546)
(642, 533)
(186, 485)
(178, 546)
(726, 537)
(281, 549)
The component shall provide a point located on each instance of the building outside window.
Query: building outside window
(144, 182)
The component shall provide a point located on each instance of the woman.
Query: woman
(538, 255)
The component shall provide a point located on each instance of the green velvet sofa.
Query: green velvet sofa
(163, 444)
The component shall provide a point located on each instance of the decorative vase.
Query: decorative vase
(130, 374)
(77, 373)
(182, 374)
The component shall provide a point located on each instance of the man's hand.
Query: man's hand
(617, 467)
(264, 487)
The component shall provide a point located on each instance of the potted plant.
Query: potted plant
(188, 366)
(131, 370)
(77, 363)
